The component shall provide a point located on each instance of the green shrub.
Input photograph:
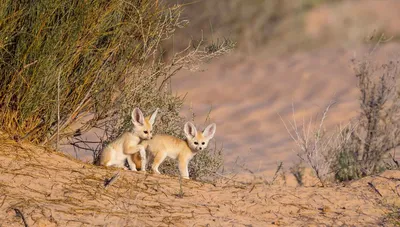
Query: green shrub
(347, 167)
(96, 49)
(105, 54)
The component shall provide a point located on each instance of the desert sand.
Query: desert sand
(47, 188)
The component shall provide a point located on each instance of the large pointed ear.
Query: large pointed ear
(190, 130)
(137, 117)
(210, 131)
(153, 117)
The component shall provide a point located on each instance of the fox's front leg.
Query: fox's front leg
(131, 163)
(183, 167)
(143, 158)
(131, 149)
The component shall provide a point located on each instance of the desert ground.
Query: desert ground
(41, 187)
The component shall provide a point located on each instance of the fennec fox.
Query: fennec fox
(128, 143)
(162, 146)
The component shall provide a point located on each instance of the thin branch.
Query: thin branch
(110, 181)
(58, 110)
(19, 214)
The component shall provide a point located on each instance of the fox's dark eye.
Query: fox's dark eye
(203, 143)
(196, 143)
(145, 132)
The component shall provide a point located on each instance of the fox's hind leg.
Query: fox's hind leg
(137, 160)
(158, 159)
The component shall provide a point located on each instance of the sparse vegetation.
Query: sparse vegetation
(377, 128)
(378, 124)
(298, 172)
(314, 145)
(393, 217)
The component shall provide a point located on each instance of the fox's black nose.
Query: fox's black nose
(201, 148)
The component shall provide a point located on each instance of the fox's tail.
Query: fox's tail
(104, 157)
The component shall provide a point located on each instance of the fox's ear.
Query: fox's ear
(137, 117)
(153, 116)
(190, 130)
(210, 131)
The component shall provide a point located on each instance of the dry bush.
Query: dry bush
(316, 147)
(362, 147)
(378, 125)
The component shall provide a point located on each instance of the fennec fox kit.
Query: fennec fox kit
(162, 146)
(128, 143)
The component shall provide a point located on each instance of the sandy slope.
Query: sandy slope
(248, 93)
(52, 190)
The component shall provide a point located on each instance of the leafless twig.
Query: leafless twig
(19, 214)
(110, 181)
(375, 189)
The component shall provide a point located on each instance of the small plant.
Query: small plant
(180, 193)
(393, 217)
(298, 173)
(347, 167)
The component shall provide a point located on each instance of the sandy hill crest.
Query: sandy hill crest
(50, 189)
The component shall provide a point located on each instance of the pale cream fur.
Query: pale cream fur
(127, 144)
(162, 146)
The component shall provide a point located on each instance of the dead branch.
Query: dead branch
(18, 213)
(110, 181)
(375, 189)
